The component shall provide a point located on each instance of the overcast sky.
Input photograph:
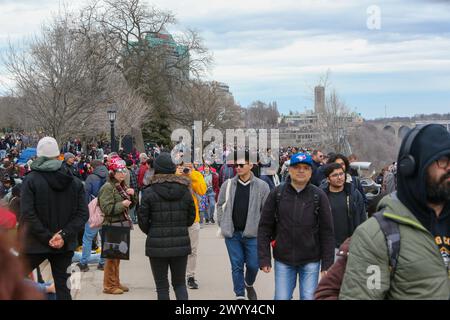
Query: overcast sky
(274, 50)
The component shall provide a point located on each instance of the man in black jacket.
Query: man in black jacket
(297, 215)
(347, 203)
(53, 211)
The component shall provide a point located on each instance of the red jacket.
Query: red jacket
(142, 169)
(8, 219)
(330, 285)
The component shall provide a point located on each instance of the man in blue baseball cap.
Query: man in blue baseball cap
(297, 221)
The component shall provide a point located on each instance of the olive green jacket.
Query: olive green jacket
(109, 199)
(420, 273)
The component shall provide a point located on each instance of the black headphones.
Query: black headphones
(407, 164)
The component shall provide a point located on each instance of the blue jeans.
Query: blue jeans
(242, 251)
(286, 280)
(88, 236)
(211, 205)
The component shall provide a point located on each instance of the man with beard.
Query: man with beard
(418, 216)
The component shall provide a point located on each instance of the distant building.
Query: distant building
(177, 58)
(319, 99)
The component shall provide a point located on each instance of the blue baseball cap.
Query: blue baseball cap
(301, 158)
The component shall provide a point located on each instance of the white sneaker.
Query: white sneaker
(240, 298)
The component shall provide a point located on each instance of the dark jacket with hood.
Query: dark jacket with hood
(51, 200)
(421, 272)
(94, 182)
(167, 210)
(301, 238)
(356, 211)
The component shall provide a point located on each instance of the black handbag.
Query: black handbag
(116, 241)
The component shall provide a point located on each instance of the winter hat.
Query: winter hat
(47, 147)
(164, 164)
(116, 164)
(68, 155)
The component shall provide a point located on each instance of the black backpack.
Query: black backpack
(280, 191)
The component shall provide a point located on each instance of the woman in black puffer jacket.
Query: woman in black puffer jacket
(167, 210)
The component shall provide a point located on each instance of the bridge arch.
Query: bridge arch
(389, 129)
(403, 131)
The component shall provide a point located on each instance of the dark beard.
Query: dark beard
(438, 192)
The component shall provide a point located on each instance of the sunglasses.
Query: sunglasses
(121, 171)
(240, 165)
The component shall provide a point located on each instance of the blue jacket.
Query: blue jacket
(94, 182)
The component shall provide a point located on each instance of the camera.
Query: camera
(186, 170)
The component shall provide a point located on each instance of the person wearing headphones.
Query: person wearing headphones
(415, 264)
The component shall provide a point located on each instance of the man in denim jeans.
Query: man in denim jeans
(241, 200)
(92, 186)
(297, 221)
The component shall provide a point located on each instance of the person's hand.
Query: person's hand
(130, 191)
(323, 273)
(126, 203)
(266, 269)
(56, 242)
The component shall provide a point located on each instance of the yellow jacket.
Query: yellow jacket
(199, 188)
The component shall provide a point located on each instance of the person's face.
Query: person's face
(120, 175)
(300, 173)
(243, 167)
(337, 178)
(342, 163)
(438, 181)
(207, 170)
(70, 161)
(318, 157)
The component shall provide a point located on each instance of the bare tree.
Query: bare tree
(260, 115)
(155, 63)
(335, 124)
(376, 146)
(60, 78)
(205, 101)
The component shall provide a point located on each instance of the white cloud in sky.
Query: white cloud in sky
(276, 47)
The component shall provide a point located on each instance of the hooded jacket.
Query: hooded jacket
(166, 211)
(94, 182)
(420, 273)
(432, 143)
(51, 200)
(356, 211)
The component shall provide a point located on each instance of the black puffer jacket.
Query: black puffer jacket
(167, 210)
(50, 202)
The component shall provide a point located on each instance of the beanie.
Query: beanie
(164, 164)
(47, 147)
(68, 155)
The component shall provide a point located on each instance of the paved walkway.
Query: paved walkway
(213, 274)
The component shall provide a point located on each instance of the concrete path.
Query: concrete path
(213, 274)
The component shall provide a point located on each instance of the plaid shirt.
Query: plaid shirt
(133, 181)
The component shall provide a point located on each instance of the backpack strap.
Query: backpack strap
(391, 232)
(280, 191)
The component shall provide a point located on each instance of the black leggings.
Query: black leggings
(178, 272)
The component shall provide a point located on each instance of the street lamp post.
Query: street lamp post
(112, 118)
(193, 143)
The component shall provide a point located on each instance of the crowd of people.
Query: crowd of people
(314, 220)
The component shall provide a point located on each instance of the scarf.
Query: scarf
(125, 196)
